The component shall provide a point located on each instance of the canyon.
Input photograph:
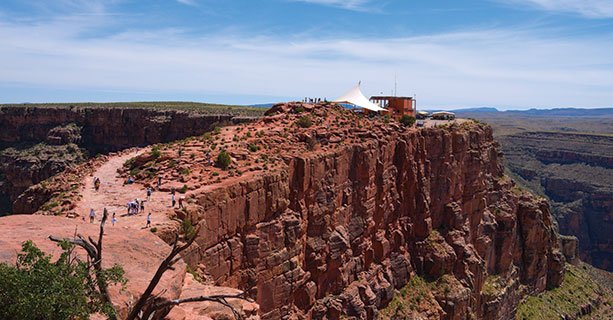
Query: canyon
(39, 141)
(330, 217)
(564, 155)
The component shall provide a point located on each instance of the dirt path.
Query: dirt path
(114, 196)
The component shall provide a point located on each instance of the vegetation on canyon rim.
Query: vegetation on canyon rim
(38, 288)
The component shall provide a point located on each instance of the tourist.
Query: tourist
(148, 220)
(92, 215)
(96, 184)
(159, 182)
(136, 206)
(148, 194)
(142, 205)
(114, 219)
(173, 200)
(180, 202)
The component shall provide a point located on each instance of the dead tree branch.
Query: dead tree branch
(144, 303)
(94, 252)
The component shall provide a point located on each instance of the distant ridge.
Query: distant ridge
(559, 112)
(262, 105)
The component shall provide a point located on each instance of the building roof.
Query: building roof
(356, 97)
(390, 98)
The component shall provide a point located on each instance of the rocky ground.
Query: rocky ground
(39, 141)
(323, 213)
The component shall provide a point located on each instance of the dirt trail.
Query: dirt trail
(114, 196)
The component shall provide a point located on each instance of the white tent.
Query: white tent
(356, 97)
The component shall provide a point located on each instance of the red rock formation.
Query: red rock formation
(95, 129)
(337, 230)
(334, 228)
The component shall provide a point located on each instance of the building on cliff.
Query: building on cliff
(396, 107)
(393, 106)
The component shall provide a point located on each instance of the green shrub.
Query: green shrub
(253, 147)
(183, 189)
(304, 122)
(407, 120)
(187, 229)
(37, 288)
(223, 160)
(155, 152)
(154, 229)
(217, 130)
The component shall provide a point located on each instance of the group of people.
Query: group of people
(173, 199)
(314, 100)
(138, 206)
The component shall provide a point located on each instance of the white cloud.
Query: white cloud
(492, 67)
(587, 8)
(345, 4)
(187, 2)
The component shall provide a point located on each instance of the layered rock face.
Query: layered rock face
(105, 129)
(50, 139)
(575, 171)
(337, 230)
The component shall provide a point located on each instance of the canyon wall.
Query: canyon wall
(44, 141)
(575, 172)
(336, 232)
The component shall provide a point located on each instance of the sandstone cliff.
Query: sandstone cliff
(331, 219)
(575, 172)
(48, 139)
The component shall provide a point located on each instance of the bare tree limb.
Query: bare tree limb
(94, 252)
(143, 304)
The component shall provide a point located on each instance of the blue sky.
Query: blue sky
(511, 54)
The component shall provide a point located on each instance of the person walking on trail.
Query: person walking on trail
(148, 220)
(142, 205)
(180, 202)
(92, 215)
(159, 181)
(97, 184)
(173, 200)
(114, 219)
(148, 194)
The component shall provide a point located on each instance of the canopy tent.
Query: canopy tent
(356, 97)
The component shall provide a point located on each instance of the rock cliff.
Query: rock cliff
(42, 141)
(575, 172)
(323, 213)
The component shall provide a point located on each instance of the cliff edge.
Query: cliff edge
(323, 213)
